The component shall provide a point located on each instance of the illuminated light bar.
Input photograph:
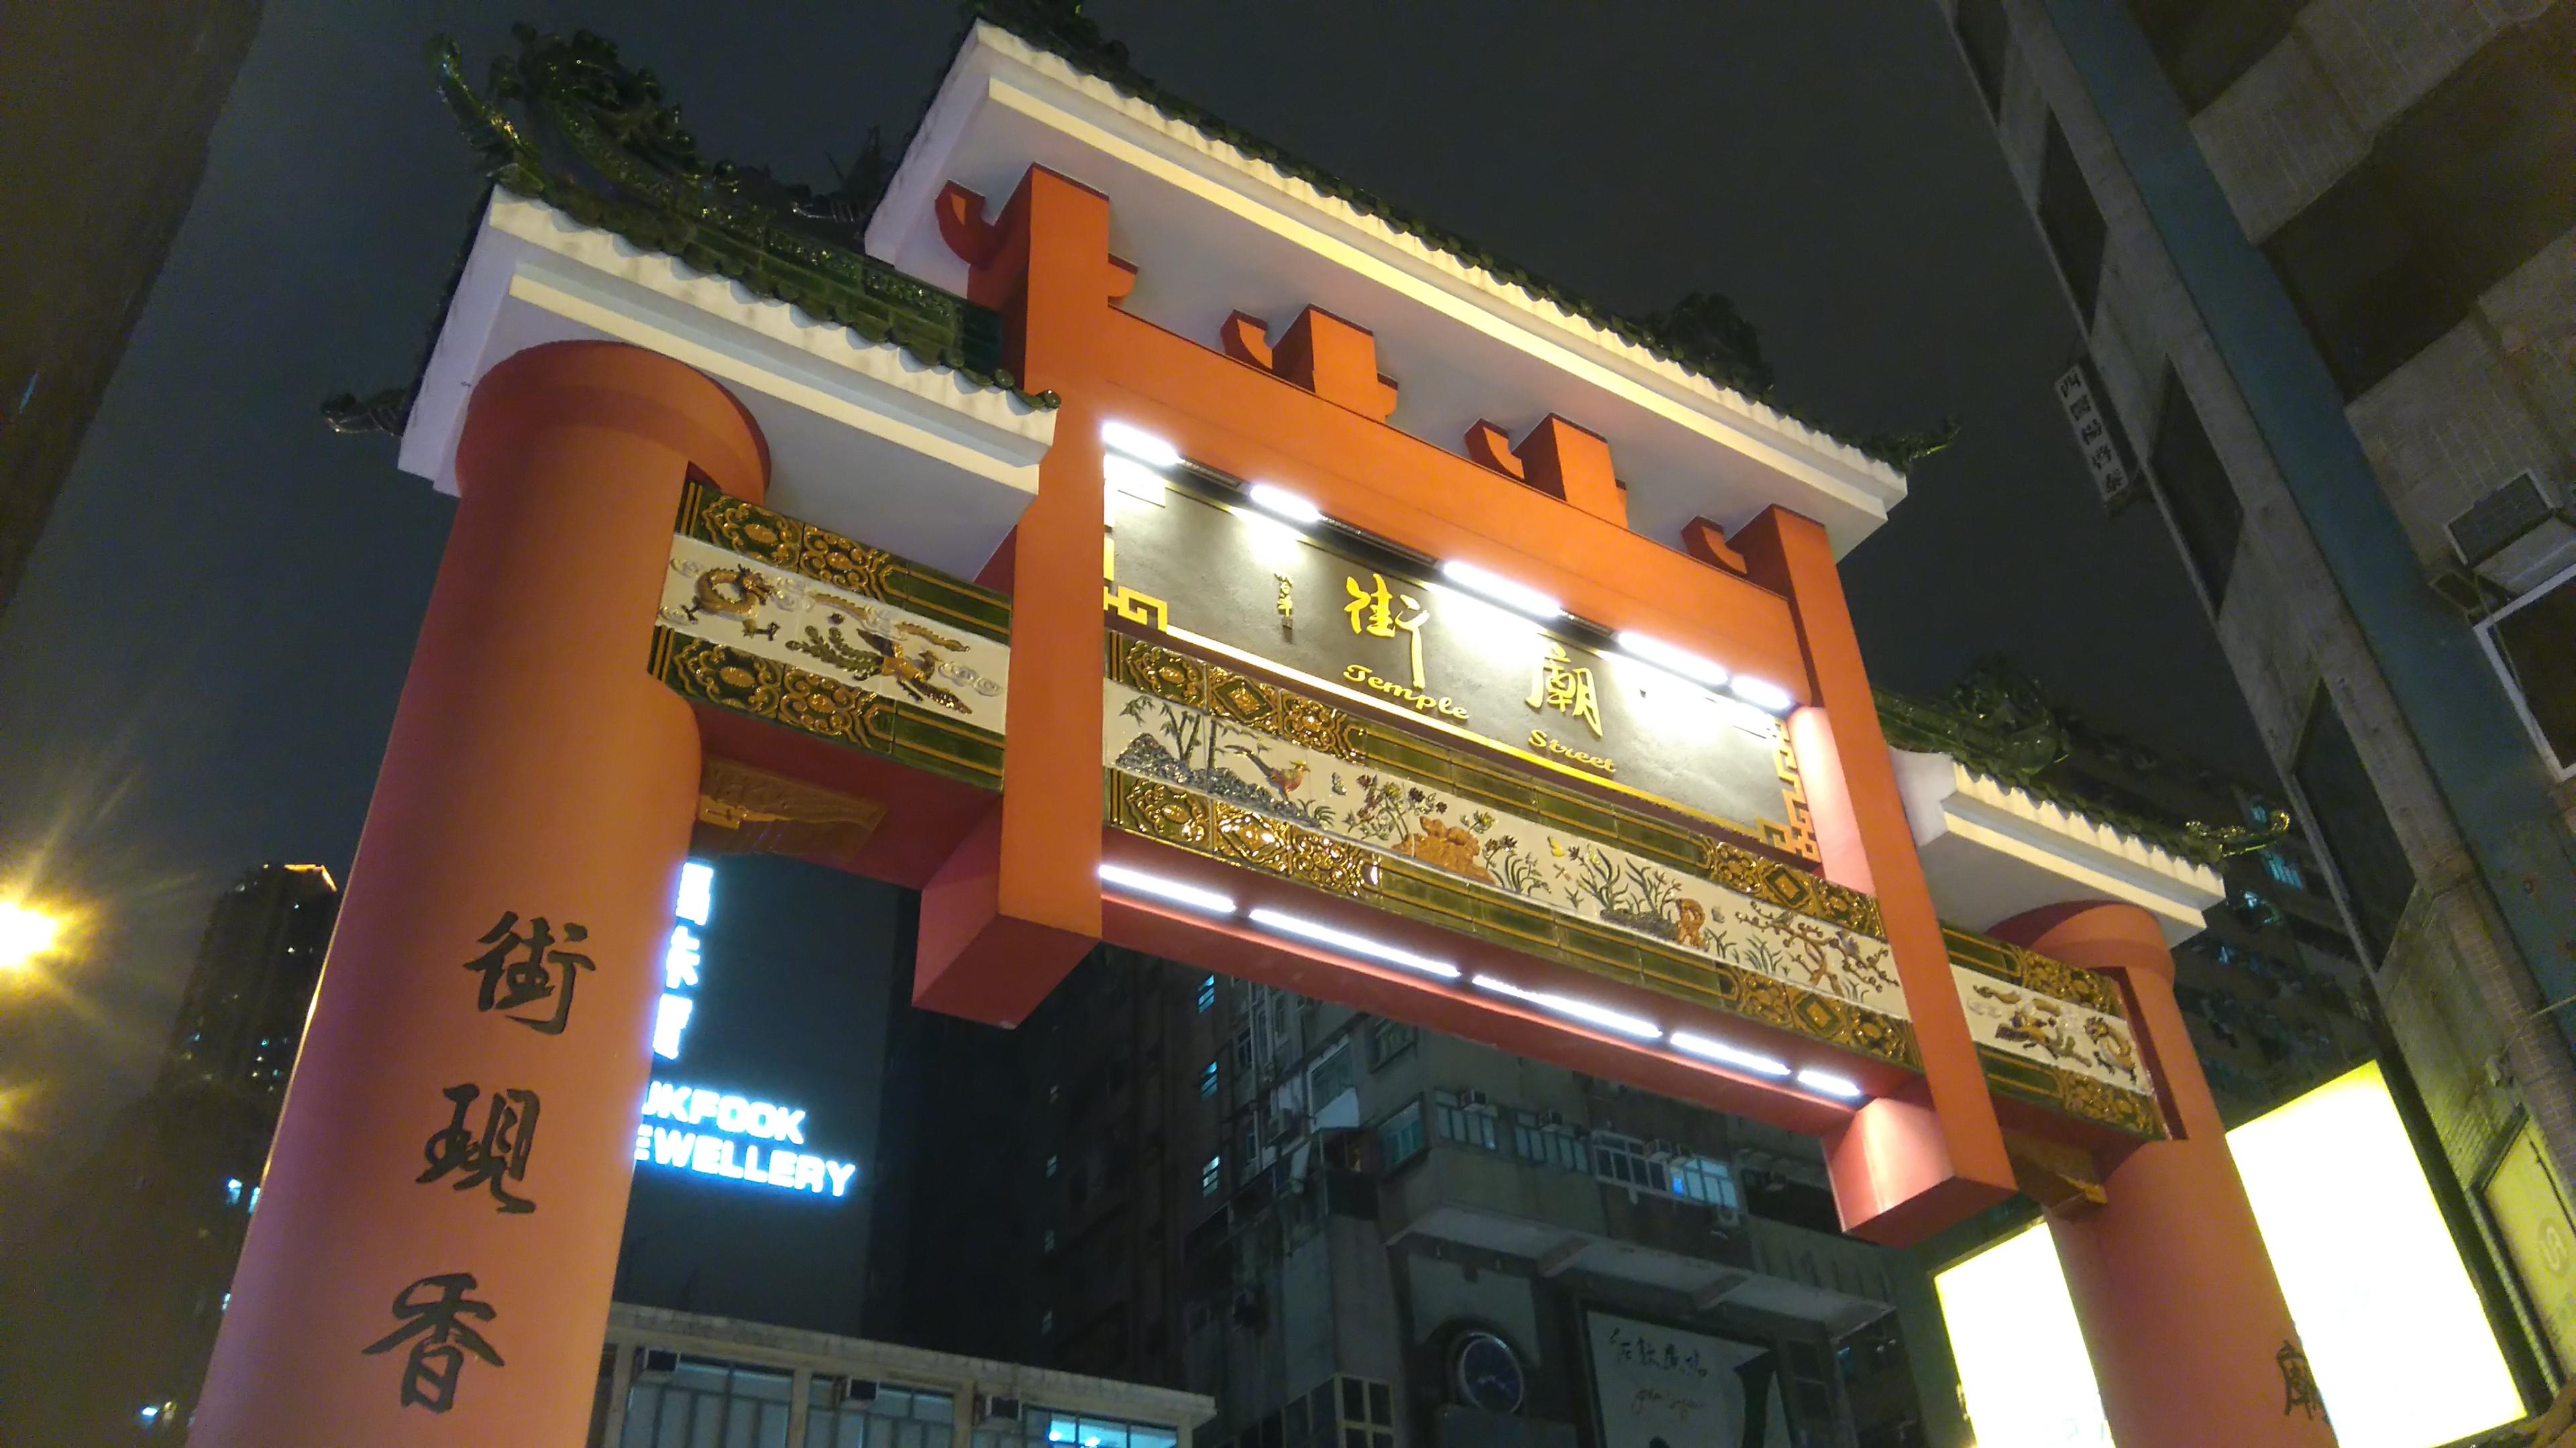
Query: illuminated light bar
(1281, 503)
(1581, 1010)
(1664, 656)
(1139, 883)
(1762, 694)
(1519, 598)
(1283, 923)
(1830, 1084)
(1128, 476)
(1724, 1054)
(1144, 447)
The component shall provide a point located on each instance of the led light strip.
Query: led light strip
(1137, 882)
(1581, 1010)
(1283, 923)
(1123, 880)
(1518, 597)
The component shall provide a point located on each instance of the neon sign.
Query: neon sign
(719, 1133)
(680, 958)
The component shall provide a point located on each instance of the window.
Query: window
(719, 1400)
(2284, 869)
(2460, 189)
(1399, 1137)
(1207, 1080)
(1212, 1176)
(1986, 36)
(841, 1413)
(1626, 1161)
(2196, 491)
(2344, 808)
(1470, 1119)
(1207, 995)
(1051, 1164)
(2204, 45)
(1547, 1143)
(2070, 221)
(1337, 1072)
(1388, 1040)
(1089, 1430)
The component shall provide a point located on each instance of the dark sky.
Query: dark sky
(200, 668)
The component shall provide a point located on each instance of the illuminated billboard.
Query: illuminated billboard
(712, 1132)
(757, 1184)
(2399, 1343)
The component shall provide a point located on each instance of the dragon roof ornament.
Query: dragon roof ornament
(1997, 722)
(601, 145)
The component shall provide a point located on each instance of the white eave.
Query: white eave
(1991, 851)
(864, 438)
(1213, 230)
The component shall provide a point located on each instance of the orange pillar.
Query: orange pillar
(2191, 1341)
(431, 1257)
(1018, 905)
(1907, 1166)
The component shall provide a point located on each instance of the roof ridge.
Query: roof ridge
(1072, 38)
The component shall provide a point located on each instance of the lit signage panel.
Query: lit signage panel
(2399, 1345)
(1659, 1387)
(714, 1133)
(1326, 608)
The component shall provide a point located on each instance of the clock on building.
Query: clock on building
(1486, 1373)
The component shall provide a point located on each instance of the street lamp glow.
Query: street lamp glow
(26, 933)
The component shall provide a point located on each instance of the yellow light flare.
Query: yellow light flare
(27, 934)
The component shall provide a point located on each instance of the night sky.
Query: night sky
(200, 668)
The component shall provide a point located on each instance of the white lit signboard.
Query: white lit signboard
(2401, 1349)
(710, 1132)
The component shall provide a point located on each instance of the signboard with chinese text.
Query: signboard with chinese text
(1367, 627)
(1664, 1387)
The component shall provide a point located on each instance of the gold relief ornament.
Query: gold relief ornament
(1556, 684)
(1373, 612)
(774, 538)
(1414, 698)
(1798, 834)
(747, 810)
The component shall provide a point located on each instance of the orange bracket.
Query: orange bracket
(1334, 359)
(1560, 459)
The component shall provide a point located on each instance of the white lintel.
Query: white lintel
(864, 438)
(1213, 230)
(1991, 851)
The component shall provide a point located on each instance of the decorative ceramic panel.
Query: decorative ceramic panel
(1364, 626)
(2052, 1032)
(1287, 785)
(804, 628)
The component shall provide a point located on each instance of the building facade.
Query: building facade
(676, 1377)
(114, 1301)
(2322, 255)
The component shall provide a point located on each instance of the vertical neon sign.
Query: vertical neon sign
(680, 960)
(717, 1133)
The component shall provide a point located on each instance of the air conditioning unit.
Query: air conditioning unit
(2517, 535)
(2531, 643)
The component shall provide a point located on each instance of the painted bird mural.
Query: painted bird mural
(916, 674)
(1285, 780)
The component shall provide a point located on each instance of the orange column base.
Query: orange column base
(2191, 1341)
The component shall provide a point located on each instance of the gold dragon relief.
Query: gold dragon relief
(2058, 1033)
(786, 618)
